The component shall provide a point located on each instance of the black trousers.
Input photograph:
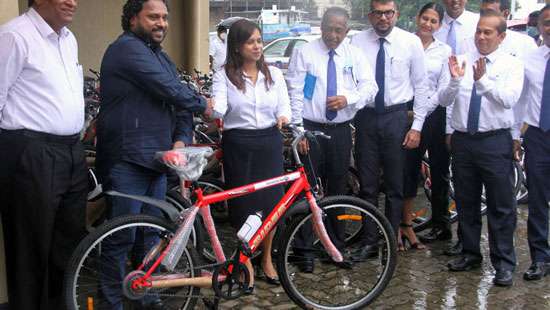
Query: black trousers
(43, 184)
(330, 161)
(433, 140)
(537, 164)
(485, 159)
(378, 146)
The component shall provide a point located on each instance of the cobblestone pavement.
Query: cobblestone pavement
(421, 281)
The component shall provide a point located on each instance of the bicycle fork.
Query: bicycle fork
(320, 229)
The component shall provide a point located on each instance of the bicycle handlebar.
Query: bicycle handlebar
(300, 133)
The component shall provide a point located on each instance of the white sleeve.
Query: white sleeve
(295, 77)
(505, 91)
(13, 53)
(219, 92)
(366, 88)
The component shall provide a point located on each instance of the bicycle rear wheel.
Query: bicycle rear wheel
(95, 277)
(336, 287)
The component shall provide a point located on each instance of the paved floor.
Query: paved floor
(421, 281)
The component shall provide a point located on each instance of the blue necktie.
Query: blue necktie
(473, 112)
(380, 77)
(451, 37)
(544, 122)
(331, 83)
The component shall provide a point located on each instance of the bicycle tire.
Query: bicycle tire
(79, 292)
(350, 285)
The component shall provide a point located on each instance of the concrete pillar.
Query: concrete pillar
(8, 10)
(196, 19)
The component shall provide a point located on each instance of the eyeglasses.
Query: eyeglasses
(389, 14)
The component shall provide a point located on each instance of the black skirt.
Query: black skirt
(251, 156)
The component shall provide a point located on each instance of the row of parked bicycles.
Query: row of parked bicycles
(191, 253)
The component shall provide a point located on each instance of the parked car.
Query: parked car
(278, 52)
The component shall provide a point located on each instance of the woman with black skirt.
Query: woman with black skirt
(253, 101)
(429, 123)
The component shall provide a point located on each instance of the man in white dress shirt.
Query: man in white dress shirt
(516, 44)
(329, 81)
(218, 49)
(486, 85)
(397, 58)
(43, 180)
(457, 29)
(536, 104)
(458, 25)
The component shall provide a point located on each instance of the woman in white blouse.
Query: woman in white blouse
(433, 134)
(253, 101)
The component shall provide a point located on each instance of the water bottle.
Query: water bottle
(249, 228)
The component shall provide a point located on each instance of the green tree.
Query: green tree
(407, 9)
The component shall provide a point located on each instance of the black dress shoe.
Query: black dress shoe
(503, 278)
(345, 264)
(272, 281)
(464, 263)
(365, 252)
(454, 250)
(537, 271)
(436, 234)
(304, 263)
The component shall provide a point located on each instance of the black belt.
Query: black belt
(309, 123)
(391, 108)
(42, 136)
(484, 134)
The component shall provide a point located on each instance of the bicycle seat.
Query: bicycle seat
(187, 162)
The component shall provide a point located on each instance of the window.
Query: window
(277, 49)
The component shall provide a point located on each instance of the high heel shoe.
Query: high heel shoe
(249, 290)
(405, 239)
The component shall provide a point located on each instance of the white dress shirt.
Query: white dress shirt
(437, 80)
(405, 68)
(465, 27)
(531, 100)
(217, 50)
(256, 108)
(41, 82)
(500, 88)
(515, 43)
(354, 80)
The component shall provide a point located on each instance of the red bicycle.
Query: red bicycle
(168, 270)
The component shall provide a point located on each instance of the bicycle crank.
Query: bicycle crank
(230, 281)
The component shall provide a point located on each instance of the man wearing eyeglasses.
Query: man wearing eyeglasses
(397, 57)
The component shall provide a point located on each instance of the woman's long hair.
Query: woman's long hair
(239, 33)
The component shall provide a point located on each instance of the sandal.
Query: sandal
(405, 238)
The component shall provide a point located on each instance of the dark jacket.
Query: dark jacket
(144, 107)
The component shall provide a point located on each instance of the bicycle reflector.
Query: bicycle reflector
(349, 217)
(90, 303)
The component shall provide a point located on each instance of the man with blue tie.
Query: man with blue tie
(329, 80)
(397, 57)
(458, 25)
(485, 86)
(536, 98)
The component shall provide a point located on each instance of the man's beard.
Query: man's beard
(148, 36)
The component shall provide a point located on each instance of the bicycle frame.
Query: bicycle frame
(300, 184)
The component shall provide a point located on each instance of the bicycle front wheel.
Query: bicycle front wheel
(99, 271)
(350, 285)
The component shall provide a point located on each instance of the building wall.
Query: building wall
(97, 24)
(322, 5)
